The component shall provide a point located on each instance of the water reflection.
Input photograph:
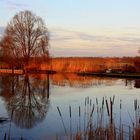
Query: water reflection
(74, 80)
(26, 99)
(137, 84)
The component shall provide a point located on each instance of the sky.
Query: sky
(96, 28)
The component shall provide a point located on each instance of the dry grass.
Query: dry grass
(103, 126)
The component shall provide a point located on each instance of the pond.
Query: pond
(40, 107)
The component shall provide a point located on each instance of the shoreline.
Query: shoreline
(21, 72)
(116, 75)
(12, 71)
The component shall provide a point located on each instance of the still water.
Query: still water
(30, 103)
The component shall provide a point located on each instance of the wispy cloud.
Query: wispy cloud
(65, 35)
(68, 42)
(12, 5)
(75, 43)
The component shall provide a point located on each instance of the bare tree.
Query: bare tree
(26, 36)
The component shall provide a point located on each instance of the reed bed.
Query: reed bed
(96, 121)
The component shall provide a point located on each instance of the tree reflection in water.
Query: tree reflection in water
(26, 99)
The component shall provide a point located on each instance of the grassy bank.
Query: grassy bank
(81, 64)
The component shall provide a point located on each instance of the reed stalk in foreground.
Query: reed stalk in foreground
(99, 122)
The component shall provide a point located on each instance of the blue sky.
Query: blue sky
(84, 27)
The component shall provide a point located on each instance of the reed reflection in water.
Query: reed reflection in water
(74, 80)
